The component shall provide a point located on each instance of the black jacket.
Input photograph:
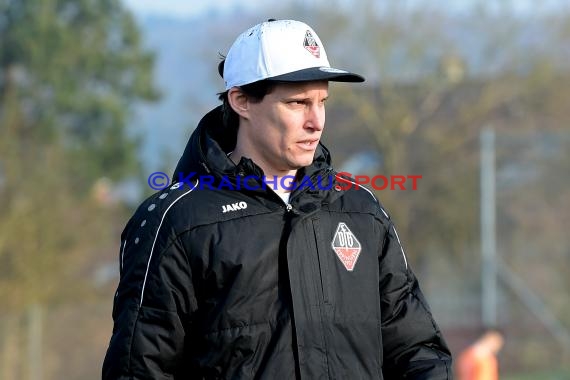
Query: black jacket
(218, 283)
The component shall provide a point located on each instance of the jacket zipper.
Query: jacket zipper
(321, 260)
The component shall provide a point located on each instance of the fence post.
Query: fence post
(488, 232)
(35, 342)
(10, 364)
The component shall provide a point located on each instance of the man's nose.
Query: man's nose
(315, 117)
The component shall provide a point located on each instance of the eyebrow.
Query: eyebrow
(301, 96)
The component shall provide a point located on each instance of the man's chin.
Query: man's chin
(301, 164)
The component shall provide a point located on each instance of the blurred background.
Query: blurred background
(474, 96)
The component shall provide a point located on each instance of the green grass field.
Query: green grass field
(550, 375)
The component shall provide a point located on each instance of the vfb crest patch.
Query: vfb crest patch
(346, 246)
(310, 43)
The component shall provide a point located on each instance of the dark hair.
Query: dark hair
(255, 91)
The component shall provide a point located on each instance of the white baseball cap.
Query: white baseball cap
(280, 50)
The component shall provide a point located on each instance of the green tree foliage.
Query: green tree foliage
(70, 71)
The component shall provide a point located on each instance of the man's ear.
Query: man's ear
(239, 102)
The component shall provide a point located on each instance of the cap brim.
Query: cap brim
(317, 74)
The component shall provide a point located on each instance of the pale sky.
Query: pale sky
(189, 8)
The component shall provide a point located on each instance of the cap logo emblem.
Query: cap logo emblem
(346, 246)
(311, 44)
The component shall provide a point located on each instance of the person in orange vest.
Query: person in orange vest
(479, 360)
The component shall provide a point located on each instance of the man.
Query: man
(260, 263)
(479, 361)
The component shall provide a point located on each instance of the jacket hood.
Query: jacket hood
(210, 143)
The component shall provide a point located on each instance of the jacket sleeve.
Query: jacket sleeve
(413, 345)
(152, 304)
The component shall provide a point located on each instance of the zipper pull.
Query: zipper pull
(289, 207)
(205, 167)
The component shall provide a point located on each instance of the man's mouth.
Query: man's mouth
(309, 143)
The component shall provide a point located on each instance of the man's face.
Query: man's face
(284, 129)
